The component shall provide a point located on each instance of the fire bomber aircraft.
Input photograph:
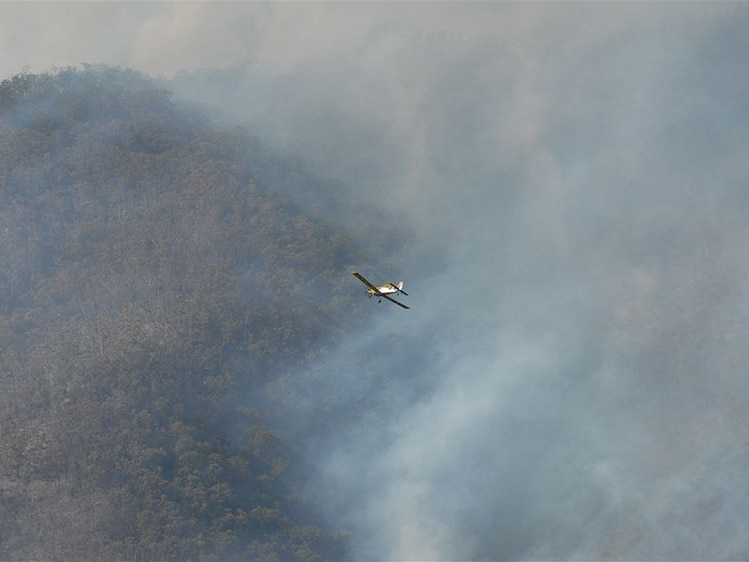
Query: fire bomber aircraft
(383, 291)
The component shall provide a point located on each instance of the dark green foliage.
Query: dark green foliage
(151, 287)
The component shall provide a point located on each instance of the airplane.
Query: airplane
(383, 291)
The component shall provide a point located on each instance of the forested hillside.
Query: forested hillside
(153, 284)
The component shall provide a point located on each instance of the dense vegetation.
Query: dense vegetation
(153, 285)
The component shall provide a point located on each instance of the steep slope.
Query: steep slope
(151, 286)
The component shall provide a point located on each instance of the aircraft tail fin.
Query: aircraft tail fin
(399, 286)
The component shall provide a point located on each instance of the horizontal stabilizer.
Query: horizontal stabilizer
(399, 286)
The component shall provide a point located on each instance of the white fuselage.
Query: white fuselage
(387, 289)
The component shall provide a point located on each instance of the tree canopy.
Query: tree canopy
(153, 283)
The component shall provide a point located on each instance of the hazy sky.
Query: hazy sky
(571, 380)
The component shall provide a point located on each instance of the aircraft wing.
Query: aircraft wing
(394, 301)
(367, 283)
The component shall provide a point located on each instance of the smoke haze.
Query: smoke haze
(570, 382)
